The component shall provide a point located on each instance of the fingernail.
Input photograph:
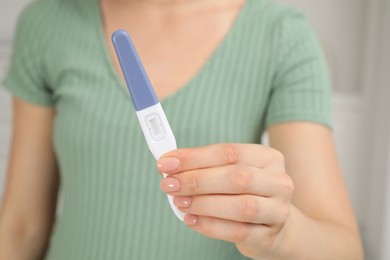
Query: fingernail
(168, 164)
(170, 184)
(182, 202)
(191, 220)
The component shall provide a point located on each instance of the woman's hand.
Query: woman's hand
(234, 192)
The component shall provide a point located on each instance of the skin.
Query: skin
(287, 201)
(30, 197)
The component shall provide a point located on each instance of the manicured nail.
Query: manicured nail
(168, 164)
(182, 202)
(170, 184)
(190, 219)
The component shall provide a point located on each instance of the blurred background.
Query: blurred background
(355, 35)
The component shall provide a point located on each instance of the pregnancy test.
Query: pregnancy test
(151, 116)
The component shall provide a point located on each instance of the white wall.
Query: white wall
(377, 217)
(5, 119)
(9, 11)
(351, 33)
(385, 250)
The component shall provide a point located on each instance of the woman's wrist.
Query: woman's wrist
(306, 238)
(289, 235)
(284, 249)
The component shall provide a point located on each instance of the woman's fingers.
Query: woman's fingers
(242, 234)
(240, 208)
(218, 155)
(234, 192)
(230, 179)
(223, 229)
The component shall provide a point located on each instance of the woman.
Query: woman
(225, 72)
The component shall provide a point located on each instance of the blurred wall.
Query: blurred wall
(353, 37)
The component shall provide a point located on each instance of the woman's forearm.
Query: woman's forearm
(19, 243)
(306, 238)
(29, 204)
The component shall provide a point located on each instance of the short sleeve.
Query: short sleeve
(25, 78)
(301, 85)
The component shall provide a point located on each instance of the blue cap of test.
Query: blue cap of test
(137, 81)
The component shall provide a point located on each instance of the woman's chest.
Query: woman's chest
(94, 115)
(173, 45)
(225, 102)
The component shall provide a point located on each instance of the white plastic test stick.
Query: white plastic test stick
(151, 116)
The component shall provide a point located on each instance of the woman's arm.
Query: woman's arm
(243, 193)
(28, 209)
(321, 223)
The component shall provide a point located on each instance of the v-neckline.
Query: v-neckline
(202, 72)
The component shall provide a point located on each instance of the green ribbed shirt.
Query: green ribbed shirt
(268, 69)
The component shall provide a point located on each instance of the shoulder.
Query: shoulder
(272, 14)
(40, 17)
(42, 20)
(37, 14)
(270, 24)
(273, 9)
(280, 24)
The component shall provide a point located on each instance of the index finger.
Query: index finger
(215, 155)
